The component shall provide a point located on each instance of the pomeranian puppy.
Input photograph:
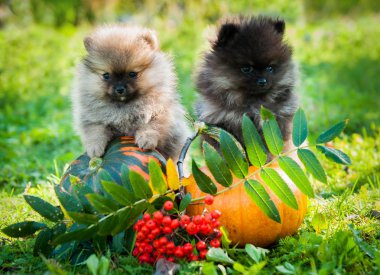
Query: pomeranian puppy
(249, 65)
(126, 86)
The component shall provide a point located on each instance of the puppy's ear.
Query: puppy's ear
(226, 34)
(279, 26)
(151, 39)
(89, 44)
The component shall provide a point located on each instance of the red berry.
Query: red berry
(168, 205)
(158, 216)
(151, 224)
(163, 240)
(146, 217)
(156, 231)
(185, 219)
(187, 248)
(209, 199)
(216, 224)
(215, 243)
(167, 230)
(170, 259)
(205, 229)
(216, 214)
(148, 249)
(178, 252)
(194, 258)
(191, 228)
(156, 244)
(201, 245)
(167, 221)
(135, 252)
(174, 224)
(140, 236)
(203, 254)
(218, 233)
(197, 219)
(145, 230)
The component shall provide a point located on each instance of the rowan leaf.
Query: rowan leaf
(44, 208)
(203, 181)
(312, 164)
(157, 178)
(335, 155)
(299, 133)
(332, 133)
(216, 165)
(253, 143)
(279, 187)
(296, 174)
(140, 187)
(172, 175)
(233, 155)
(261, 198)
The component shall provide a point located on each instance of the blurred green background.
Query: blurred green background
(336, 44)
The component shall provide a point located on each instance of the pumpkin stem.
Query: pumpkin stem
(181, 159)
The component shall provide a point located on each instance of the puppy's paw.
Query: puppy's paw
(146, 139)
(95, 149)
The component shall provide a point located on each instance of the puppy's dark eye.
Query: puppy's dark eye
(106, 76)
(246, 70)
(269, 69)
(132, 74)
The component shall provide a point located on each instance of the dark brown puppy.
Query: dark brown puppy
(249, 65)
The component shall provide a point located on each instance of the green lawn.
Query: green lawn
(339, 59)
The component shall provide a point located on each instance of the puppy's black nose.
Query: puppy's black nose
(120, 89)
(261, 81)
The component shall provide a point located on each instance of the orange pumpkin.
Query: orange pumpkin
(243, 219)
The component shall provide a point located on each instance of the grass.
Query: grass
(339, 60)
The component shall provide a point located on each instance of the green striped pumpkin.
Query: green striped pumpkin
(120, 152)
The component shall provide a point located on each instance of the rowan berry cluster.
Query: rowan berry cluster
(173, 237)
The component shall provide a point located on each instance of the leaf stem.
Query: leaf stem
(252, 174)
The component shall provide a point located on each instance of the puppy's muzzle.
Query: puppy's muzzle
(120, 90)
(261, 81)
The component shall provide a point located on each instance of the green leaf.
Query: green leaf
(157, 177)
(253, 143)
(256, 253)
(119, 193)
(92, 264)
(22, 229)
(106, 225)
(266, 114)
(279, 187)
(260, 196)
(335, 155)
(185, 202)
(232, 154)
(312, 164)
(296, 174)
(125, 178)
(332, 133)
(128, 216)
(218, 255)
(203, 181)
(42, 244)
(208, 268)
(102, 204)
(225, 239)
(365, 247)
(76, 235)
(273, 137)
(299, 133)
(44, 208)
(83, 218)
(217, 166)
(140, 186)
(68, 201)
